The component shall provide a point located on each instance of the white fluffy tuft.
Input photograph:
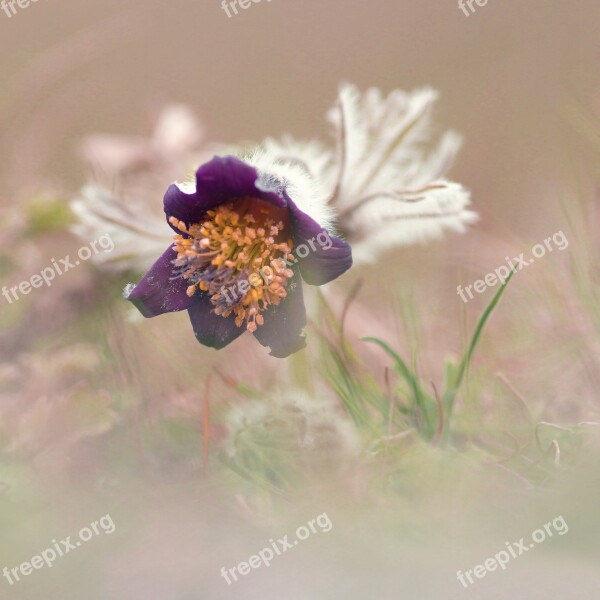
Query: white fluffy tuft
(277, 170)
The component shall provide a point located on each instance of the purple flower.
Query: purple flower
(241, 247)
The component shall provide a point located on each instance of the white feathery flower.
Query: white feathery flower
(389, 189)
(137, 235)
(385, 186)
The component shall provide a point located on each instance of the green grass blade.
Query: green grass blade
(450, 393)
(479, 329)
(421, 401)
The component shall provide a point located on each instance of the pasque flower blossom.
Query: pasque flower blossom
(385, 180)
(241, 217)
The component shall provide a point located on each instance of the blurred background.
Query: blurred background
(103, 413)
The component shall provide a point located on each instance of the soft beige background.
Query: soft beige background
(509, 77)
(505, 73)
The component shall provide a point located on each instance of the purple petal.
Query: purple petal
(224, 178)
(326, 257)
(184, 207)
(210, 329)
(283, 326)
(219, 181)
(158, 292)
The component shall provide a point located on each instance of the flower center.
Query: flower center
(238, 256)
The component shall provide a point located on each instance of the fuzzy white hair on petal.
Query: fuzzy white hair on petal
(306, 191)
(127, 290)
(313, 157)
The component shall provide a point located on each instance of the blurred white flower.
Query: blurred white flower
(141, 168)
(309, 421)
(385, 186)
(176, 135)
(138, 235)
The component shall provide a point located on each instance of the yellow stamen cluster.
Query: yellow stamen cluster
(238, 257)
